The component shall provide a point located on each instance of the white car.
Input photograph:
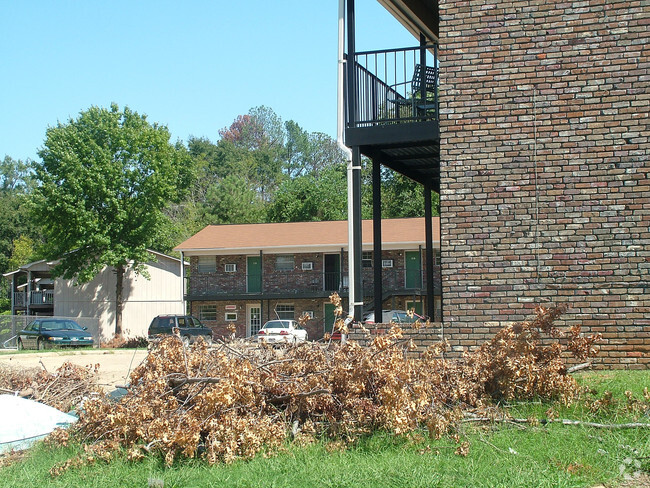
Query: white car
(282, 331)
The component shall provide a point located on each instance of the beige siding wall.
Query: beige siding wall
(144, 298)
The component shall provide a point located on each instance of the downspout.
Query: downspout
(340, 127)
(183, 283)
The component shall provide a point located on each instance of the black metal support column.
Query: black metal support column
(428, 230)
(423, 63)
(376, 237)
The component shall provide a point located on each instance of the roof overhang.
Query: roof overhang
(254, 251)
(416, 15)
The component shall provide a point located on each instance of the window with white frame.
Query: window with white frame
(231, 316)
(386, 263)
(366, 259)
(285, 311)
(207, 312)
(284, 263)
(207, 264)
(230, 267)
(307, 265)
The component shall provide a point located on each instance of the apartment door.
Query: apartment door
(413, 269)
(253, 319)
(332, 267)
(254, 274)
(328, 313)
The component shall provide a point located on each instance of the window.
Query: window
(284, 312)
(366, 259)
(284, 263)
(231, 316)
(207, 312)
(230, 267)
(308, 313)
(207, 264)
(307, 266)
(386, 263)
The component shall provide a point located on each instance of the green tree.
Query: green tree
(308, 198)
(23, 252)
(104, 181)
(232, 201)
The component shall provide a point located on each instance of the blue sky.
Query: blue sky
(192, 66)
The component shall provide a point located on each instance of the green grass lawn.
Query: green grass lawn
(501, 455)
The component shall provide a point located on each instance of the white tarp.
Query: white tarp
(23, 422)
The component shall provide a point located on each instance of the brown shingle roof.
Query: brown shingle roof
(233, 237)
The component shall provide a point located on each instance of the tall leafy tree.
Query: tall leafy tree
(15, 184)
(103, 184)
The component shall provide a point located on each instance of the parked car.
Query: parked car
(397, 316)
(48, 332)
(282, 331)
(189, 328)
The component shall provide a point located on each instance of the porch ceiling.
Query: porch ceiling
(416, 15)
(410, 149)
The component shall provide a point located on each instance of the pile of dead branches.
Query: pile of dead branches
(235, 400)
(63, 389)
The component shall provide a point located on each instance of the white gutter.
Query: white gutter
(340, 122)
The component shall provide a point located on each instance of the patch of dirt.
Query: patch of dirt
(115, 365)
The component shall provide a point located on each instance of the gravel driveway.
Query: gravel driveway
(115, 365)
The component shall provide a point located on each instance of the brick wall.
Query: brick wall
(315, 327)
(545, 196)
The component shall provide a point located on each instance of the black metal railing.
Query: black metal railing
(256, 284)
(296, 282)
(395, 86)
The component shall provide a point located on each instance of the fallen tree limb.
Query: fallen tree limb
(631, 425)
(578, 367)
(285, 398)
(176, 382)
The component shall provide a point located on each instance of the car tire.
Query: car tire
(21, 346)
(40, 345)
(186, 341)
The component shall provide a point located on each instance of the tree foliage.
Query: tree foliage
(104, 181)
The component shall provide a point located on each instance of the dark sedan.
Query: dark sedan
(48, 332)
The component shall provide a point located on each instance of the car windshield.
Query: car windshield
(60, 325)
(277, 324)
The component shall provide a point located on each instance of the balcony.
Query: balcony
(393, 113)
(43, 298)
(395, 86)
(304, 284)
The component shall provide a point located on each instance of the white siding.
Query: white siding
(143, 298)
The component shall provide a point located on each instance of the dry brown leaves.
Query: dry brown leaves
(236, 400)
(63, 389)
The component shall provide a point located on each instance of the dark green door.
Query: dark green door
(413, 273)
(254, 274)
(329, 318)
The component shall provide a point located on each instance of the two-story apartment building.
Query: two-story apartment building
(245, 274)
